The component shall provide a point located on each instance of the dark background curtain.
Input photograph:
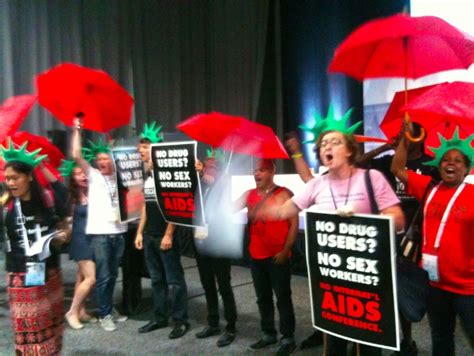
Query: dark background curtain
(263, 59)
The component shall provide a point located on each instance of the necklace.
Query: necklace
(347, 193)
(269, 189)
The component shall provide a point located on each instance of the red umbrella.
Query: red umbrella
(442, 108)
(234, 133)
(12, 113)
(55, 156)
(392, 122)
(403, 46)
(68, 89)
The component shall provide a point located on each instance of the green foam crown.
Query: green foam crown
(66, 167)
(216, 153)
(10, 154)
(94, 149)
(455, 143)
(152, 133)
(330, 123)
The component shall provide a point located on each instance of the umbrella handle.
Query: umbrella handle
(409, 136)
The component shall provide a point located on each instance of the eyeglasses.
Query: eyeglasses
(333, 141)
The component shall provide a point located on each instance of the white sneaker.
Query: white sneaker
(118, 317)
(107, 323)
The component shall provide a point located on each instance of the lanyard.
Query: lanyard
(442, 224)
(347, 193)
(20, 220)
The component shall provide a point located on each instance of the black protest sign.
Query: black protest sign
(351, 272)
(177, 186)
(129, 171)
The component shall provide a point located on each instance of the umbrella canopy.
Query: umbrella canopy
(55, 156)
(13, 112)
(392, 122)
(442, 108)
(403, 46)
(234, 133)
(69, 89)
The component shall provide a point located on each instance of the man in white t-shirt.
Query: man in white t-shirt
(102, 223)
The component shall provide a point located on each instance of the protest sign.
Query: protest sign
(129, 172)
(351, 273)
(177, 186)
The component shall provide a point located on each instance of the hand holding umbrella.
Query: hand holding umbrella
(403, 46)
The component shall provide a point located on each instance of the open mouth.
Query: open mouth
(329, 157)
(450, 172)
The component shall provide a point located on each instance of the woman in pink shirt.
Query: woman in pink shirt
(343, 189)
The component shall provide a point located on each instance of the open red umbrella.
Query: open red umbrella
(55, 156)
(13, 112)
(403, 46)
(392, 122)
(234, 133)
(68, 89)
(442, 108)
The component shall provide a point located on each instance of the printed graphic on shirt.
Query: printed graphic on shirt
(149, 189)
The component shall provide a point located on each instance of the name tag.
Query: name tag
(35, 273)
(430, 265)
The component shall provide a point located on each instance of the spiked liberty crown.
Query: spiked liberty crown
(66, 167)
(10, 154)
(330, 123)
(94, 149)
(151, 133)
(216, 153)
(463, 146)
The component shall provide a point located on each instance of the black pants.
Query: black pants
(211, 270)
(267, 277)
(443, 307)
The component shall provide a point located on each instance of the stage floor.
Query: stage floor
(92, 340)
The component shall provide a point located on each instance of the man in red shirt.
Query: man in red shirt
(270, 246)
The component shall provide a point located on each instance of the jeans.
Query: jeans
(267, 277)
(212, 269)
(166, 272)
(108, 252)
(443, 307)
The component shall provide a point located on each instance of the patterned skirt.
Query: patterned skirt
(37, 314)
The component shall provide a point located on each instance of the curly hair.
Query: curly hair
(349, 141)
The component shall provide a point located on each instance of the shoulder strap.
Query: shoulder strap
(251, 217)
(370, 191)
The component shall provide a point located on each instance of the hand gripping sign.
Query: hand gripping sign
(177, 186)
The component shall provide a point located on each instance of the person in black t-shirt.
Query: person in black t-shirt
(214, 271)
(162, 255)
(34, 282)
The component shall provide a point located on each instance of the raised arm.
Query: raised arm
(399, 161)
(364, 160)
(77, 146)
(293, 146)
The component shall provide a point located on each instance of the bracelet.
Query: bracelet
(297, 155)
